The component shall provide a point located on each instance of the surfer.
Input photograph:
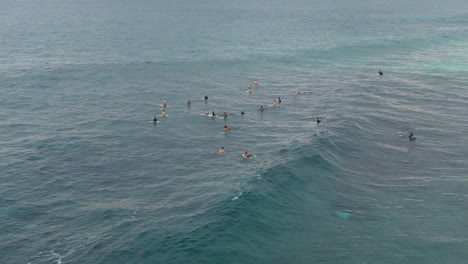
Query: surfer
(206, 97)
(380, 72)
(250, 90)
(189, 103)
(242, 112)
(221, 150)
(256, 82)
(164, 104)
(213, 113)
(155, 120)
(246, 154)
(317, 120)
(261, 108)
(226, 128)
(412, 137)
(274, 103)
(279, 100)
(295, 92)
(163, 113)
(206, 112)
(225, 114)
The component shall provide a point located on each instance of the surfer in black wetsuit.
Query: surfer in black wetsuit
(213, 113)
(155, 119)
(279, 100)
(261, 108)
(380, 72)
(412, 137)
(206, 97)
(242, 112)
(317, 120)
(189, 103)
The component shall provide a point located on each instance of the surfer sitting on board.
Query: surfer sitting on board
(221, 150)
(155, 119)
(163, 113)
(261, 108)
(226, 128)
(317, 120)
(250, 90)
(380, 72)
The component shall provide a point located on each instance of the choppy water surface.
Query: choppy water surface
(86, 177)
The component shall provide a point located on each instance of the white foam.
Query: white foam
(237, 196)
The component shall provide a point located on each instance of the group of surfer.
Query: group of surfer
(226, 113)
(213, 114)
(261, 109)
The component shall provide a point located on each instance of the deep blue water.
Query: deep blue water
(86, 177)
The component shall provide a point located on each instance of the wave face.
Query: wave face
(88, 178)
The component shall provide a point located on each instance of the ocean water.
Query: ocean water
(86, 177)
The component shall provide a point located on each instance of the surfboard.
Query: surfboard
(151, 121)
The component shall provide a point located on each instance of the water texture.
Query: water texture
(86, 177)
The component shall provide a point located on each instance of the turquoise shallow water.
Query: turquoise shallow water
(88, 178)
